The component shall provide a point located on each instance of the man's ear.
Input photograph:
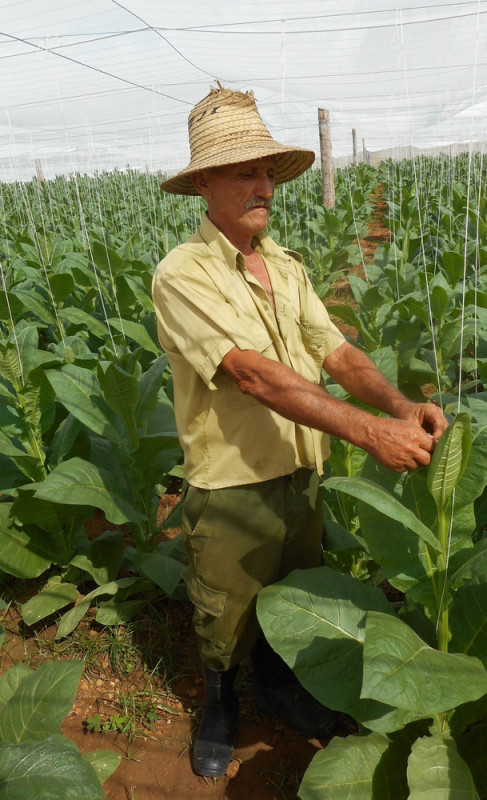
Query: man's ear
(200, 183)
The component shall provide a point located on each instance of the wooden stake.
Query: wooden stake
(326, 160)
(39, 172)
(354, 144)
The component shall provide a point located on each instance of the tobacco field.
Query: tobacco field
(87, 424)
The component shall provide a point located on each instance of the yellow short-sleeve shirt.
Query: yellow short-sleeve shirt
(206, 303)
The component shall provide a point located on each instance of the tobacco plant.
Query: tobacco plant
(36, 761)
(413, 673)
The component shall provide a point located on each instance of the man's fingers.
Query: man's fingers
(431, 442)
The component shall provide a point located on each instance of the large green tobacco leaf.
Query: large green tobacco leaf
(10, 680)
(150, 384)
(53, 518)
(472, 481)
(71, 618)
(68, 432)
(119, 612)
(164, 571)
(449, 460)
(8, 448)
(10, 475)
(23, 554)
(400, 553)
(468, 621)
(40, 702)
(371, 767)
(436, 771)
(50, 770)
(155, 456)
(122, 394)
(469, 564)
(53, 596)
(77, 482)
(402, 670)
(314, 619)
(79, 317)
(107, 258)
(454, 266)
(38, 305)
(79, 391)
(139, 295)
(384, 502)
(104, 762)
(358, 768)
(103, 557)
(439, 293)
(137, 332)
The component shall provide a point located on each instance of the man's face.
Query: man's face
(239, 196)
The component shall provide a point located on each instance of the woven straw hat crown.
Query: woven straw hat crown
(226, 128)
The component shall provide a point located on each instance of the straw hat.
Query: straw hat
(225, 128)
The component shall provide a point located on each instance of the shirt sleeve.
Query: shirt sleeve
(195, 320)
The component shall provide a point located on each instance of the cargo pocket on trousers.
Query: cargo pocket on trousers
(206, 600)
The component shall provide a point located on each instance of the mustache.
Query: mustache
(258, 202)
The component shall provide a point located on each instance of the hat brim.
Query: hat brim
(290, 163)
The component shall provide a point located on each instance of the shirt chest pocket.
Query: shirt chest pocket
(309, 346)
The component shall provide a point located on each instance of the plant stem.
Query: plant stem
(443, 626)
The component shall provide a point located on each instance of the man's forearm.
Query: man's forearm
(353, 370)
(289, 394)
(399, 444)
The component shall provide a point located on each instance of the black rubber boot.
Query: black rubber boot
(213, 748)
(281, 691)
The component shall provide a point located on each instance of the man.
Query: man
(247, 339)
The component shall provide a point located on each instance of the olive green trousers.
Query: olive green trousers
(238, 540)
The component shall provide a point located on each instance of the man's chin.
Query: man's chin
(260, 217)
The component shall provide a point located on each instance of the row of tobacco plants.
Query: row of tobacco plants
(86, 422)
(411, 672)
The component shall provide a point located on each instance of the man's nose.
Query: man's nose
(265, 187)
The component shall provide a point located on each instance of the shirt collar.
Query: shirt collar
(222, 248)
(219, 244)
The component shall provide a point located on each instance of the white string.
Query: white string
(421, 231)
(469, 175)
(283, 81)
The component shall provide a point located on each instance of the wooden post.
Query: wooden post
(39, 172)
(364, 151)
(326, 160)
(354, 144)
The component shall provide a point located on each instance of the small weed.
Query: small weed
(116, 723)
(285, 781)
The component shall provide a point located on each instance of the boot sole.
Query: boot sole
(209, 770)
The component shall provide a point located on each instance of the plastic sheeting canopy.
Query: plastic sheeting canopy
(97, 84)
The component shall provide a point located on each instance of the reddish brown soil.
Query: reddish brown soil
(377, 233)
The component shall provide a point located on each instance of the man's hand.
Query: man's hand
(399, 445)
(426, 415)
